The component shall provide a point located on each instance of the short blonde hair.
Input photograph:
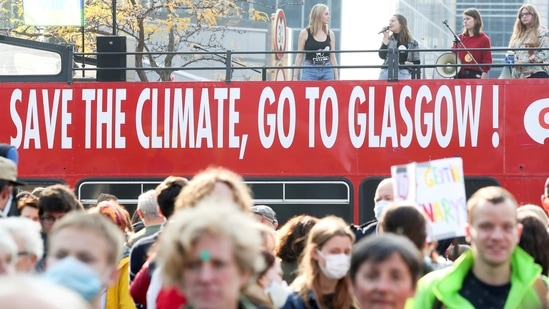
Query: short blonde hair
(97, 224)
(213, 218)
(203, 184)
(491, 194)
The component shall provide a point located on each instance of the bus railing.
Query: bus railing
(230, 62)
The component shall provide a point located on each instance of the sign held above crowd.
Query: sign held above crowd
(437, 187)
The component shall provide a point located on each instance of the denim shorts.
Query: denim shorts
(402, 74)
(312, 71)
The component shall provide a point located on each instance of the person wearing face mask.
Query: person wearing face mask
(383, 197)
(270, 279)
(322, 281)
(84, 251)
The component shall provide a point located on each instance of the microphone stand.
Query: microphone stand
(458, 40)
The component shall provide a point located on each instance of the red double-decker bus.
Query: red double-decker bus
(304, 147)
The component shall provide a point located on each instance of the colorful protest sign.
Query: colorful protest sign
(438, 189)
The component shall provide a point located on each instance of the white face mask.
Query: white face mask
(278, 292)
(379, 207)
(337, 265)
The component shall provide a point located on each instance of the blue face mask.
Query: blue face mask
(379, 207)
(75, 275)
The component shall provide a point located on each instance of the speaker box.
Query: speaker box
(111, 53)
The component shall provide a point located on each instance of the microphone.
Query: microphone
(445, 22)
(383, 30)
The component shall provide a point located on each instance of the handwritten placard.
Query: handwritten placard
(438, 189)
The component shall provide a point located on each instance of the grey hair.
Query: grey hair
(26, 230)
(148, 204)
(8, 245)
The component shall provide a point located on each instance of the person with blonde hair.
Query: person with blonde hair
(84, 252)
(215, 182)
(317, 42)
(119, 292)
(219, 182)
(211, 252)
(322, 280)
(527, 33)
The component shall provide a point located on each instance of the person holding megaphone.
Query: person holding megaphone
(473, 37)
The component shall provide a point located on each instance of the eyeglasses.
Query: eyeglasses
(525, 14)
(49, 219)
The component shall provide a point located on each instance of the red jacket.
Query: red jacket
(170, 298)
(140, 285)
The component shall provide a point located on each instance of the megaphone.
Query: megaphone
(506, 70)
(442, 65)
(505, 73)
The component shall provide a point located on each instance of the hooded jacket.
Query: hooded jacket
(445, 284)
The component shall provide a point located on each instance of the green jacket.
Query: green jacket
(446, 284)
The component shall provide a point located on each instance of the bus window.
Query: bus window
(287, 197)
(127, 191)
(367, 190)
(318, 198)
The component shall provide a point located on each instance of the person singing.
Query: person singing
(397, 35)
(473, 37)
(529, 33)
(317, 41)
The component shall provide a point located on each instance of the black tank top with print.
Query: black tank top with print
(322, 49)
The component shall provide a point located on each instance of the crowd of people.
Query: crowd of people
(202, 243)
(471, 47)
